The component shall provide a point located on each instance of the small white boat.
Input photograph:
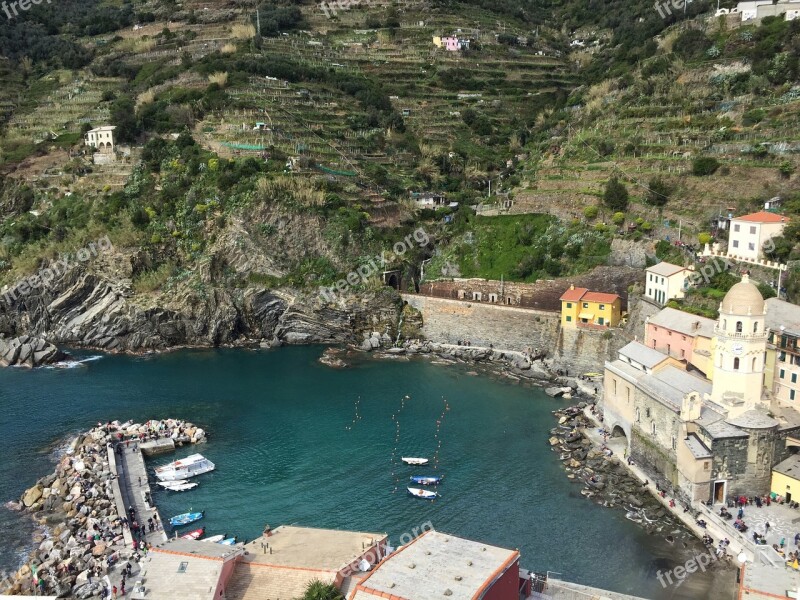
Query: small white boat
(410, 460)
(169, 484)
(181, 487)
(424, 494)
(214, 539)
(195, 464)
(228, 542)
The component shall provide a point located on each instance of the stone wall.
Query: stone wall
(508, 328)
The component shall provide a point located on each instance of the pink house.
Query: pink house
(451, 44)
(681, 335)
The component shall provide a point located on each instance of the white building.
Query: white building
(749, 233)
(749, 9)
(101, 139)
(666, 281)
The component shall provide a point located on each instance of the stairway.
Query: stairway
(260, 582)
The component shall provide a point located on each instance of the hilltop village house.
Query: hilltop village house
(451, 43)
(582, 308)
(749, 233)
(698, 402)
(101, 139)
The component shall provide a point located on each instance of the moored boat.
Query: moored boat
(426, 479)
(214, 539)
(228, 542)
(186, 518)
(424, 494)
(194, 535)
(178, 486)
(195, 464)
(411, 460)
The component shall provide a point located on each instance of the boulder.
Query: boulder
(32, 495)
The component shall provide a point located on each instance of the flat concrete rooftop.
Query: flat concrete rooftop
(433, 563)
(310, 548)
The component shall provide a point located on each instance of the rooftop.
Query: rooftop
(639, 353)
(186, 569)
(673, 384)
(434, 563)
(573, 294)
(762, 216)
(696, 447)
(311, 548)
(782, 316)
(665, 269)
(790, 466)
(600, 297)
(753, 419)
(683, 322)
(103, 128)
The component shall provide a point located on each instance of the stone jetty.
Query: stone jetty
(79, 507)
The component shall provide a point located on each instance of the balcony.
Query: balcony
(733, 335)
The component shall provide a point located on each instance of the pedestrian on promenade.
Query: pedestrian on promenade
(114, 592)
(797, 539)
(140, 481)
(741, 513)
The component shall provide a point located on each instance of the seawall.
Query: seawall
(446, 321)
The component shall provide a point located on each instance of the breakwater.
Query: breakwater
(81, 506)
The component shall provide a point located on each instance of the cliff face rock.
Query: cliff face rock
(28, 351)
(97, 308)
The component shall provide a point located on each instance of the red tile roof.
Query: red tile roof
(573, 294)
(762, 216)
(599, 297)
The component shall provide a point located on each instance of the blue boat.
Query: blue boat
(426, 480)
(186, 518)
(228, 542)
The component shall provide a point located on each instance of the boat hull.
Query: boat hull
(185, 519)
(425, 480)
(410, 460)
(423, 494)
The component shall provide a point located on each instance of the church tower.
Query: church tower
(740, 345)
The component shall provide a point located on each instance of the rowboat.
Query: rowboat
(178, 486)
(214, 539)
(424, 494)
(425, 480)
(194, 535)
(228, 542)
(186, 518)
(195, 464)
(410, 460)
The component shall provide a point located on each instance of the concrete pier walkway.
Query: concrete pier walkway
(135, 489)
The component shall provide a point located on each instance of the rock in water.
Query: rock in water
(28, 351)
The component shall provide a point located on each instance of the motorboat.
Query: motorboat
(178, 486)
(186, 518)
(192, 465)
(214, 539)
(426, 480)
(194, 535)
(424, 494)
(410, 460)
(228, 541)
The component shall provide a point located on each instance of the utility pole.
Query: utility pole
(258, 20)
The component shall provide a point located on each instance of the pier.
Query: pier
(136, 492)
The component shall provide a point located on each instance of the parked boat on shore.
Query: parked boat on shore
(186, 518)
(425, 479)
(192, 465)
(424, 494)
(411, 460)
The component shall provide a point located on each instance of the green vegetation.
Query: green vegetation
(317, 590)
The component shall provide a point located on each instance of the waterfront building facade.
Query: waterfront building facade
(580, 307)
(708, 434)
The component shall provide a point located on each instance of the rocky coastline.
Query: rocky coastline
(82, 533)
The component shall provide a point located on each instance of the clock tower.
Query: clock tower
(740, 344)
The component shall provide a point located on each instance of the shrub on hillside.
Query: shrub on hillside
(657, 192)
(704, 165)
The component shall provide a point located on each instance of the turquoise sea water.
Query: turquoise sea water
(296, 442)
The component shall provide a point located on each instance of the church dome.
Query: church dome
(743, 299)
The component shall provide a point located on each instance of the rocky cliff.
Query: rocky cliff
(94, 305)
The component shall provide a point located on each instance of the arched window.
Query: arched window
(755, 327)
(735, 364)
(754, 364)
(654, 427)
(725, 324)
(738, 327)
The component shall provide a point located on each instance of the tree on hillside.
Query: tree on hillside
(657, 192)
(615, 196)
(704, 165)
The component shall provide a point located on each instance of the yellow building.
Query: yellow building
(582, 308)
(786, 478)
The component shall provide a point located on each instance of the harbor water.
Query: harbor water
(296, 442)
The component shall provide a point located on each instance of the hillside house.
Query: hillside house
(101, 139)
(666, 281)
(428, 199)
(748, 234)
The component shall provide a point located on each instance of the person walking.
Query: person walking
(114, 592)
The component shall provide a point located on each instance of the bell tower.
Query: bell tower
(740, 344)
